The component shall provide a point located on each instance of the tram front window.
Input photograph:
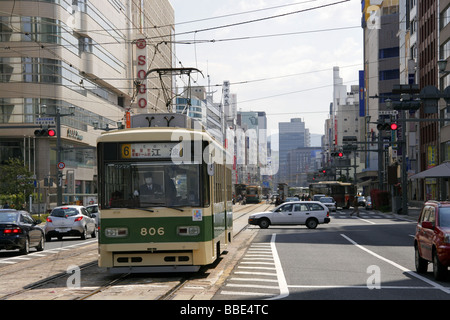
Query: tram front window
(151, 184)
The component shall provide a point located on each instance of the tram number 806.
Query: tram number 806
(152, 231)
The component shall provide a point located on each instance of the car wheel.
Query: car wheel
(40, 246)
(264, 223)
(311, 223)
(26, 247)
(421, 264)
(83, 235)
(439, 270)
(94, 234)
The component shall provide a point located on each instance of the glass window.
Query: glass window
(147, 184)
(315, 207)
(444, 217)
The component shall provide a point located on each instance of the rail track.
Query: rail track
(162, 287)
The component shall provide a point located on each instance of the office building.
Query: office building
(86, 63)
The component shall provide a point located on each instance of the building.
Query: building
(86, 63)
(292, 135)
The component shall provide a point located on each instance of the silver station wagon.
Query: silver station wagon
(309, 213)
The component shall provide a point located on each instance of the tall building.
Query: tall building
(86, 63)
(292, 135)
(380, 22)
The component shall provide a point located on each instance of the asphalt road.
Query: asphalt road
(365, 258)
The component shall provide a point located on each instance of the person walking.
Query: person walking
(355, 207)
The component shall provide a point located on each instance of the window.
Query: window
(389, 53)
(389, 74)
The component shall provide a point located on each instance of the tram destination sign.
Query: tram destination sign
(151, 150)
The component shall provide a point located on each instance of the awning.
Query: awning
(440, 171)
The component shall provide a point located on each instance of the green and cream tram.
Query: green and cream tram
(165, 194)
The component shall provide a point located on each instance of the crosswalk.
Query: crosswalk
(38, 254)
(255, 276)
(343, 214)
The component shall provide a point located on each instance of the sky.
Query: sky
(281, 65)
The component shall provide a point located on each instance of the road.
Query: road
(370, 257)
(351, 258)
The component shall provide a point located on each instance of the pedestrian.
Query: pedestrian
(355, 207)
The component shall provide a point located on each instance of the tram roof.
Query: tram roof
(140, 134)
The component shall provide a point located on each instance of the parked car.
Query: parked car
(309, 213)
(369, 204)
(329, 203)
(432, 238)
(18, 230)
(290, 199)
(70, 221)
(94, 211)
(361, 201)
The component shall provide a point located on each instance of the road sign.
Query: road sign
(61, 165)
(45, 121)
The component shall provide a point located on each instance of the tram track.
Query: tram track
(170, 284)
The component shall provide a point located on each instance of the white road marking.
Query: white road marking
(405, 270)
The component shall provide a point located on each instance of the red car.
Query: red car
(432, 239)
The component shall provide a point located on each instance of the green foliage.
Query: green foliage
(16, 183)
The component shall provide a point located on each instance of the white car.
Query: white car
(329, 202)
(309, 213)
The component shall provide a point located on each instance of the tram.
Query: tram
(165, 194)
(253, 194)
(342, 192)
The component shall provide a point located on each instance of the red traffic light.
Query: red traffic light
(394, 126)
(324, 171)
(340, 154)
(45, 133)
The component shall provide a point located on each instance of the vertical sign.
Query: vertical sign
(362, 109)
(226, 98)
(141, 53)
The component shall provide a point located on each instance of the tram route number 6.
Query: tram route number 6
(152, 231)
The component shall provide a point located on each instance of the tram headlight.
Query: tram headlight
(116, 232)
(188, 231)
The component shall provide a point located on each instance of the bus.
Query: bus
(342, 192)
(164, 207)
(253, 194)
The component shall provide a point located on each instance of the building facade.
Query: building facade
(79, 63)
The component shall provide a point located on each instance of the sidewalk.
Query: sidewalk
(414, 209)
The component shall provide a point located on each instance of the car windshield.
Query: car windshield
(326, 200)
(64, 212)
(147, 184)
(8, 216)
(444, 217)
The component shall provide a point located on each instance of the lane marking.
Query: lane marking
(284, 291)
(403, 269)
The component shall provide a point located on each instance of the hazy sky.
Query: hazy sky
(281, 65)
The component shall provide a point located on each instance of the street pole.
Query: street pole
(404, 165)
(58, 157)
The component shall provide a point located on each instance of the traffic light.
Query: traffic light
(45, 133)
(387, 126)
(339, 154)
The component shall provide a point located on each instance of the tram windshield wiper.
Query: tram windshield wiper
(176, 208)
(139, 208)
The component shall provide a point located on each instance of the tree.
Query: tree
(16, 182)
